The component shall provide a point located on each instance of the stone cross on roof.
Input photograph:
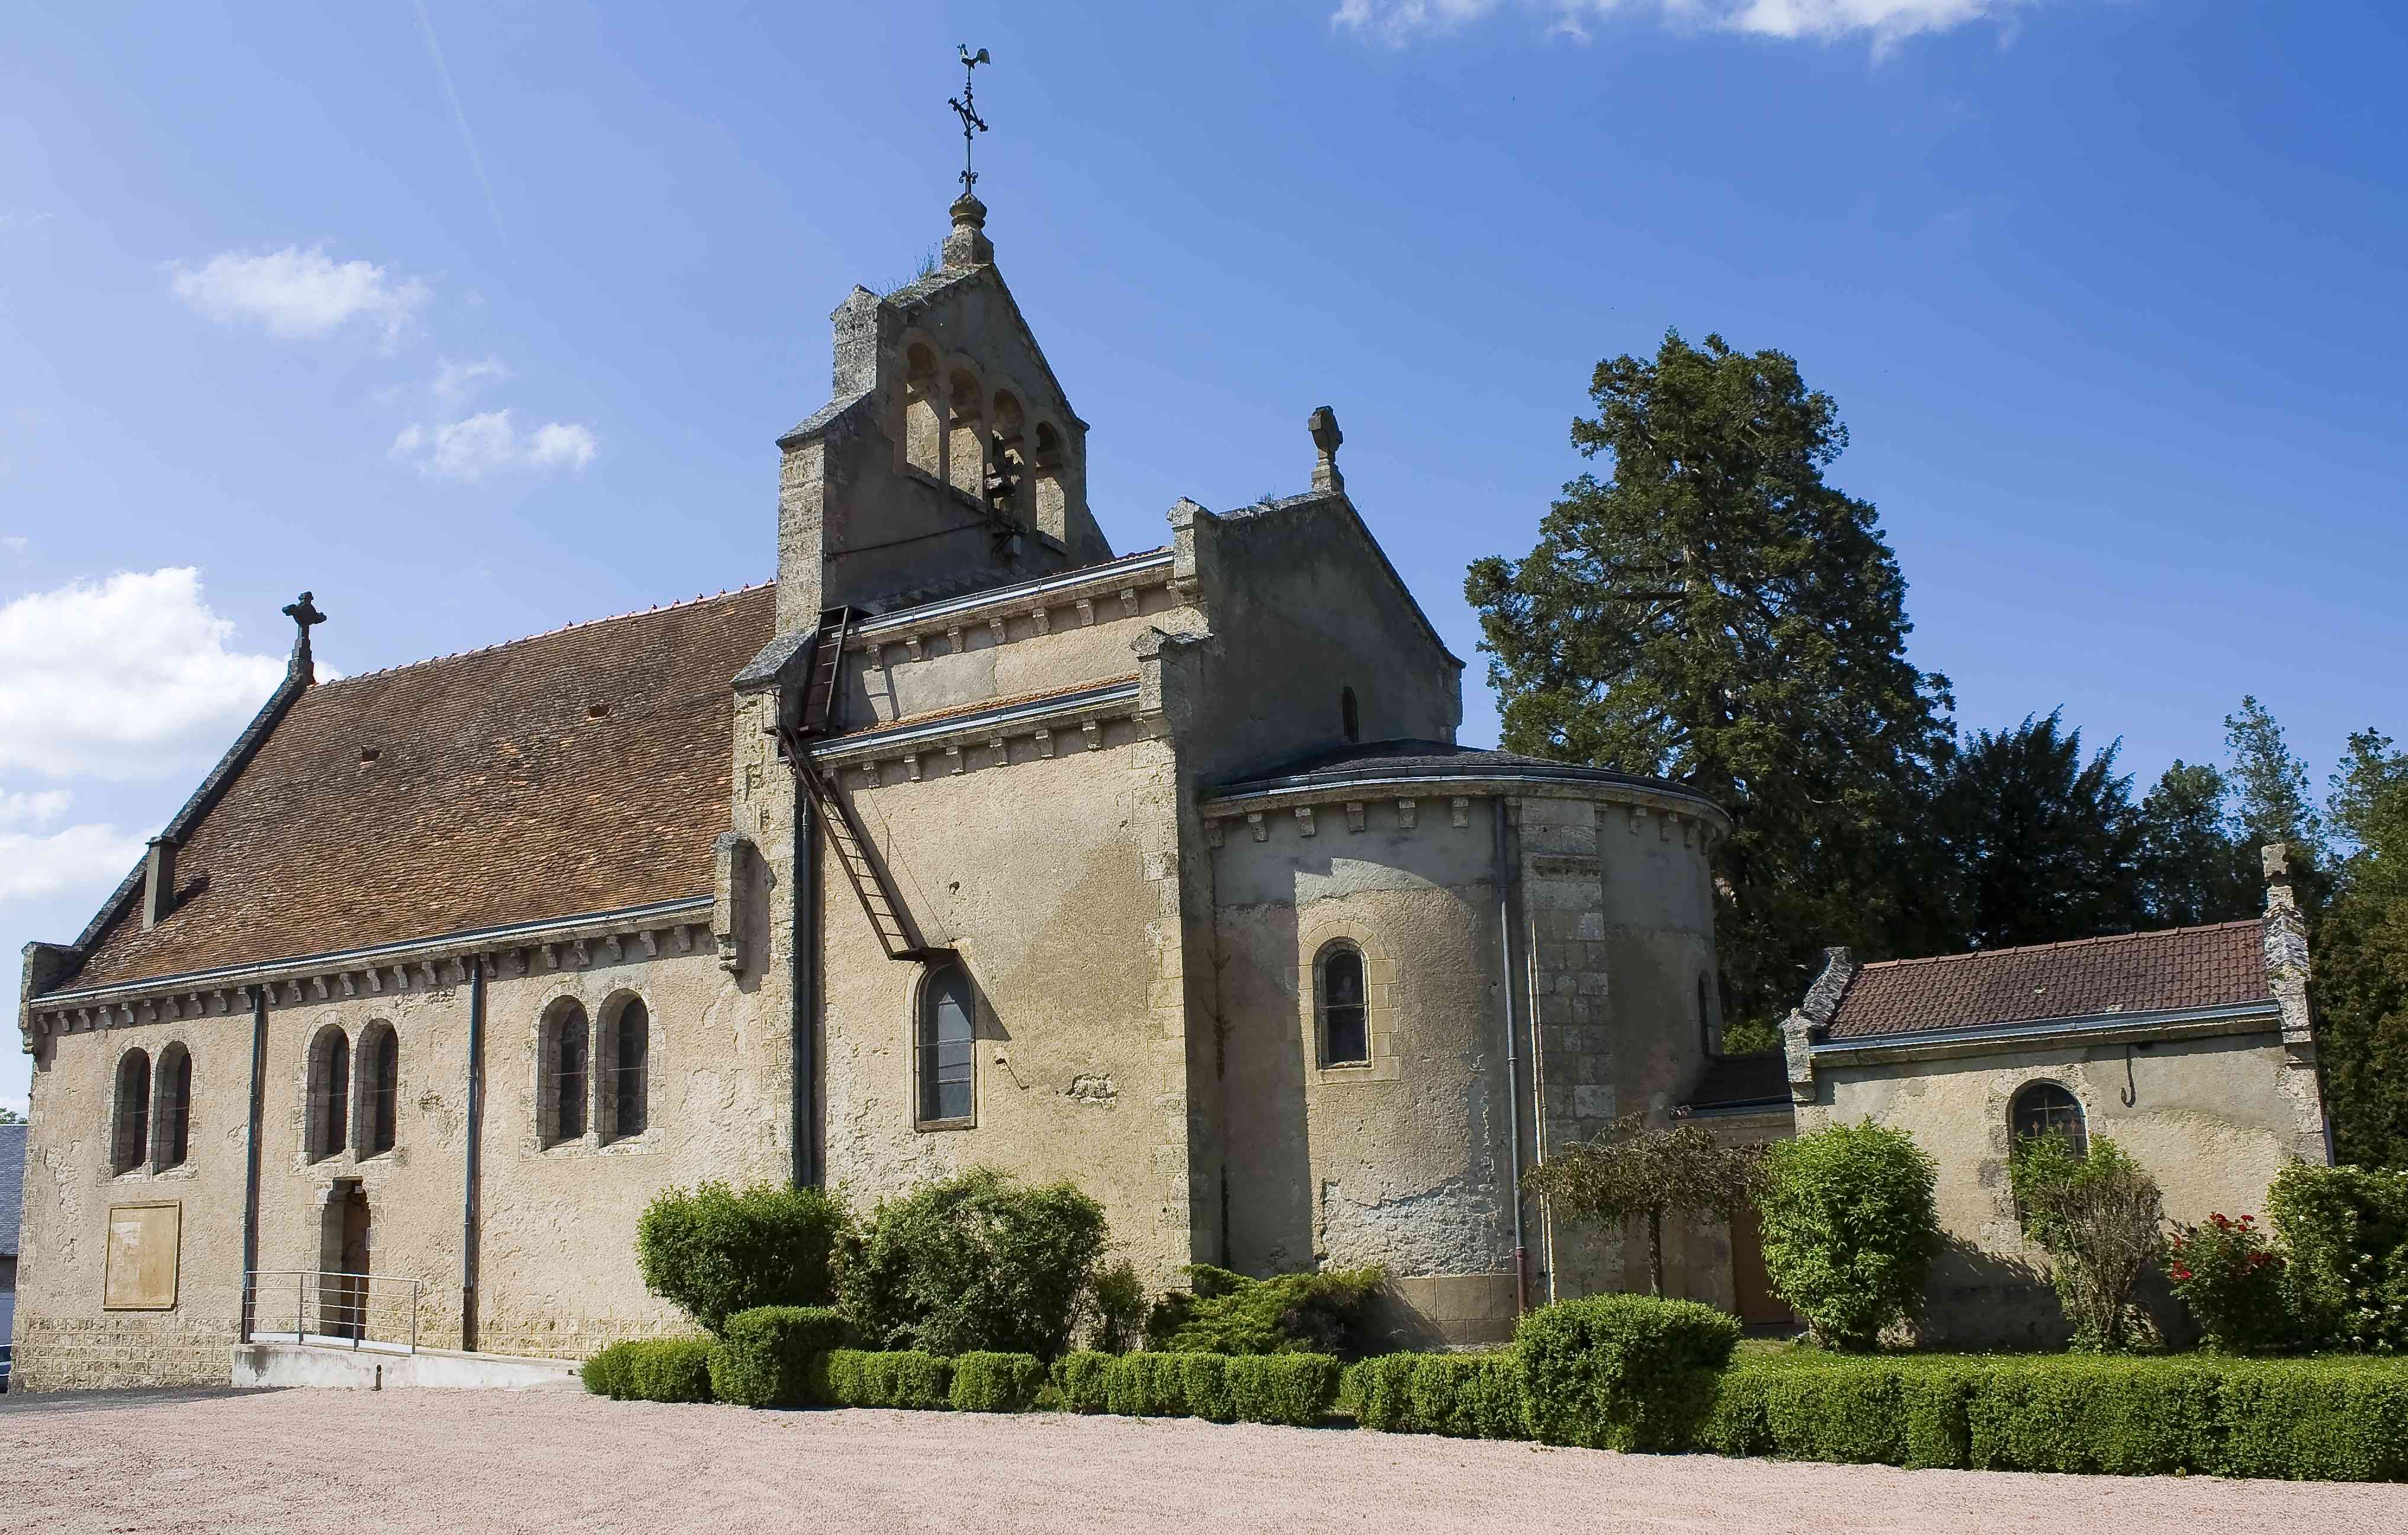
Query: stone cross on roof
(1326, 438)
(304, 614)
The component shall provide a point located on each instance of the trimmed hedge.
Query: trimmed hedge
(2319, 1419)
(764, 1358)
(1464, 1396)
(1290, 1388)
(651, 1370)
(1623, 1371)
(987, 1382)
(1084, 1380)
(852, 1377)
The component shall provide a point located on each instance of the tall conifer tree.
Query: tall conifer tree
(2196, 865)
(2044, 846)
(1715, 613)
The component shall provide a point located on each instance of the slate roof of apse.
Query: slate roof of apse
(1732, 1081)
(2176, 968)
(1411, 758)
(495, 797)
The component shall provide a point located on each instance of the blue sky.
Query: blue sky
(2107, 290)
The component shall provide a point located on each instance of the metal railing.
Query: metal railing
(345, 1310)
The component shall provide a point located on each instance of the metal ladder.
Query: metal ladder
(861, 868)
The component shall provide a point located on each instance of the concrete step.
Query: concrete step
(374, 1366)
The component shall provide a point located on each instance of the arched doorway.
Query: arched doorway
(343, 1256)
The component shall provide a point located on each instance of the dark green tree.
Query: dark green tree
(2043, 845)
(2360, 958)
(2196, 864)
(1715, 613)
(2269, 784)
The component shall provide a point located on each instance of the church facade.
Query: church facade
(966, 840)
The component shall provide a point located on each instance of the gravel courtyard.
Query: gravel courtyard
(558, 1459)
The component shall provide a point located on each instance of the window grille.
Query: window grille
(947, 1046)
(2043, 1108)
(132, 1130)
(330, 1094)
(172, 1107)
(624, 1069)
(1345, 1023)
(564, 1065)
(380, 1089)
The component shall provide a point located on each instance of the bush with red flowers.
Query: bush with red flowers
(2231, 1277)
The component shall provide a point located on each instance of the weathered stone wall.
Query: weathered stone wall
(2211, 1119)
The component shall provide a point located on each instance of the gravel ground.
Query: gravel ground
(291, 1461)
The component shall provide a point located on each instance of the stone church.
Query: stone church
(967, 840)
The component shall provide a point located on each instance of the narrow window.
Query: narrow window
(625, 1060)
(1349, 715)
(2043, 1108)
(1705, 1019)
(130, 1129)
(1345, 1027)
(172, 1109)
(564, 1077)
(330, 1093)
(947, 1051)
(379, 1088)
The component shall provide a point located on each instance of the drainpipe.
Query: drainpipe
(250, 1172)
(1513, 1061)
(476, 1130)
(802, 979)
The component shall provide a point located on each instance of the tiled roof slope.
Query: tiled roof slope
(496, 797)
(2131, 972)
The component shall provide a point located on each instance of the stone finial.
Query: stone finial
(305, 615)
(1326, 438)
(967, 246)
(2277, 859)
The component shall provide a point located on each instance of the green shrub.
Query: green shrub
(1850, 1229)
(985, 1381)
(2230, 1278)
(2323, 1420)
(1623, 1371)
(1146, 1386)
(1465, 1395)
(848, 1377)
(2127, 1417)
(978, 1262)
(605, 1373)
(1230, 1312)
(2344, 1232)
(652, 1369)
(712, 1251)
(1084, 1380)
(1120, 1309)
(2100, 1218)
(764, 1358)
(1296, 1389)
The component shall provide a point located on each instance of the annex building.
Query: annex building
(967, 840)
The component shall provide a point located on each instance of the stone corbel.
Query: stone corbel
(1304, 820)
(915, 647)
(1255, 823)
(1213, 831)
(1409, 813)
(1354, 816)
(1459, 810)
(1043, 619)
(731, 858)
(1086, 612)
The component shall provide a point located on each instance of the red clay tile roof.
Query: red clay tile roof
(2131, 972)
(496, 797)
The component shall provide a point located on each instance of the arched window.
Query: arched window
(1338, 996)
(130, 1118)
(379, 1088)
(2043, 1108)
(626, 1055)
(561, 1062)
(1705, 1016)
(1350, 716)
(1012, 451)
(947, 1048)
(171, 1109)
(330, 1093)
(923, 435)
(965, 442)
(1053, 500)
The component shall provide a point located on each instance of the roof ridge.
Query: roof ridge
(695, 601)
(2097, 940)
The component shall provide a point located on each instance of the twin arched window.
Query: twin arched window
(171, 1109)
(946, 1046)
(130, 1123)
(150, 1112)
(626, 1056)
(1342, 1003)
(340, 1109)
(329, 1109)
(612, 1073)
(379, 1088)
(561, 1065)
(2044, 1108)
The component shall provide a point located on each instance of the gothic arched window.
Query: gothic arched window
(330, 1093)
(1341, 1000)
(561, 1062)
(129, 1136)
(2044, 1108)
(626, 1076)
(379, 1088)
(1350, 714)
(171, 1109)
(947, 1046)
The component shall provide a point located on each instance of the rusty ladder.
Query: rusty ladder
(816, 719)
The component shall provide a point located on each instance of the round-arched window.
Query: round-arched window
(946, 1047)
(2045, 1108)
(1339, 998)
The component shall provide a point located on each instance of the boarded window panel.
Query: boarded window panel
(140, 1270)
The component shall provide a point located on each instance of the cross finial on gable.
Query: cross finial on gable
(1326, 438)
(305, 615)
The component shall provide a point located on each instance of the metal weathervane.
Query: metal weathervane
(966, 109)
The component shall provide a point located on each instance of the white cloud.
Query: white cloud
(90, 857)
(15, 543)
(1885, 21)
(457, 382)
(298, 294)
(468, 451)
(37, 809)
(132, 678)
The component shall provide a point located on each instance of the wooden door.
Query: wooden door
(1751, 1285)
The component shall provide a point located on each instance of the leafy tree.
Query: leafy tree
(1851, 1228)
(2045, 846)
(2196, 864)
(978, 1261)
(2270, 784)
(1715, 613)
(1633, 1172)
(716, 1251)
(2100, 1218)
(10, 1116)
(2361, 955)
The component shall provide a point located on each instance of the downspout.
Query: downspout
(476, 1132)
(802, 978)
(1513, 1063)
(251, 1172)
